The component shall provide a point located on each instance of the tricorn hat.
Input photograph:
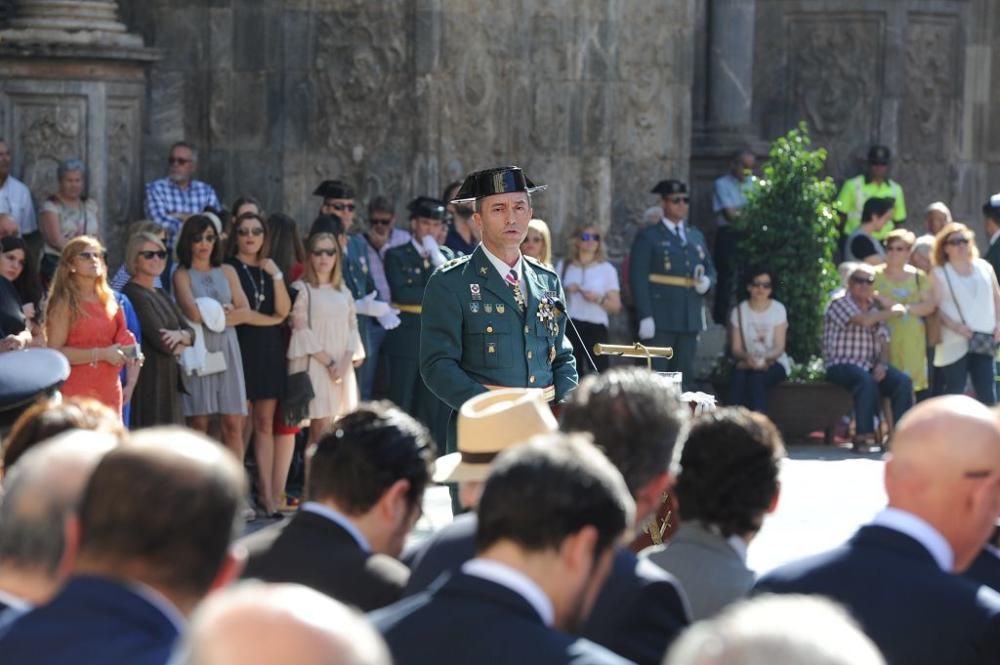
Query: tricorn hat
(425, 206)
(26, 376)
(500, 180)
(490, 423)
(668, 187)
(879, 154)
(334, 189)
(992, 206)
(331, 224)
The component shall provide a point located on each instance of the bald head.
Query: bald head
(944, 466)
(254, 623)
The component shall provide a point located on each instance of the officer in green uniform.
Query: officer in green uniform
(493, 318)
(670, 270)
(875, 183)
(338, 201)
(407, 269)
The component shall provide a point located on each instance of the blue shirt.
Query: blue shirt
(729, 192)
(163, 198)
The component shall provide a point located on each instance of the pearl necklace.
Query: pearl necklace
(258, 293)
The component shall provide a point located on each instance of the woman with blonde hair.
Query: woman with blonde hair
(592, 292)
(84, 322)
(122, 277)
(968, 299)
(538, 242)
(325, 340)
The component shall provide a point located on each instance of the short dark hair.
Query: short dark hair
(195, 225)
(380, 204)
(171, 501)
(876, 206)
(546, 490)
(331, 224)
(232, 235)
(752, 272)
(245, 200)
(360, 456)
(729, 470)
(632, 415)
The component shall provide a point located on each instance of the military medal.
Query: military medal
(427, 263)
(483, 270)
(488, 308)
(548, 314)
(491, 348)
(474, 307)
(474, 291)
(501, 308)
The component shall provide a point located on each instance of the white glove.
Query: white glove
(389, 320)
(647, 328)
(704, 283)
(368, 306)
(433, 250)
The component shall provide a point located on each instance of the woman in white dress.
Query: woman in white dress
(325, 335)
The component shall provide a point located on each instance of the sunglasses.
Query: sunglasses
(91, 256)
(761, 285)
(340, 207)
(150, 254)
(255, 231)
(179, 160)
(677, 200)
(898, 248)
(590, 236)
(324, 252)
(380, 221)
(204, 237)
(862, 280)
(955, 242)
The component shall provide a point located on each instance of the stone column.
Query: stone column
(69, 22)
(730, 63)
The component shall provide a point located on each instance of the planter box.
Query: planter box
(801, 408)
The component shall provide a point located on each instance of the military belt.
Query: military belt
(548, 392)
(409, 309)
(671, 280)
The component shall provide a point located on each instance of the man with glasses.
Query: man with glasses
(856, 355)
(670, 271)
(171, 200)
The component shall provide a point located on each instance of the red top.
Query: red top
(95, 328)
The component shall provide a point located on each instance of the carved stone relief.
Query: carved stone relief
(123, 124)
(49, 129)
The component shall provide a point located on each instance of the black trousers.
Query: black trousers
(590, 334)
(726, 238)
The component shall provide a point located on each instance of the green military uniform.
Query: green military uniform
(661, 265)
(359, 281)
(473, 334)
(408, 273)
(859, 189)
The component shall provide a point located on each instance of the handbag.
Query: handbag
(980, 343)
(299, 390)
(932, 323)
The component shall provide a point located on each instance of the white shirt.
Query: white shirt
(15, 199)
(502, 266)
(516, 581)
(598, 278)
(975, 300)
(15, 603)
(338, 518)
(677, 228)
(758, 329)
(920, 531)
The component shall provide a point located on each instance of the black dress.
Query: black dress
(262, 347)
(11, 316)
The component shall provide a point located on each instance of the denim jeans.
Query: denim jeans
(977, 366)
(748, 387)
(896, 386)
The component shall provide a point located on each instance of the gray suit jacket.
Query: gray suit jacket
(710, 571)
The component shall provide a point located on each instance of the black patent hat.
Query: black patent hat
(879, 154)
(500, 180)
(668, 187)
(334, 189)
(425, 206)
(992, 206)
(26, 376)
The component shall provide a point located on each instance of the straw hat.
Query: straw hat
(490, 423)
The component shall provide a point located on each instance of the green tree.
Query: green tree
(790, 226)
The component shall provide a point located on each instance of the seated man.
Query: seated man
(364, 488)
(856, 352)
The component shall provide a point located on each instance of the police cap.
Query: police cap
(26, 376)
(668, 187)
(425, 206)
(992, 207)
(334, 189)
(500, 180)
(879, 154)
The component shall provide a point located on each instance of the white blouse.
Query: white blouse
(598, 278)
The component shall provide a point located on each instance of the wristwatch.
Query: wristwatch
(278, 276)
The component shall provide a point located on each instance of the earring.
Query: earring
(72, 269)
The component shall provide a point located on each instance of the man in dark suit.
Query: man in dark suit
(365, 485)
(991, 222)
(155, 526)
(633, 416)
(41, 492)
(896, 575)
(549, 516)
(985, 569)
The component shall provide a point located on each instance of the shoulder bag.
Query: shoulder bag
(299, 390)
(980, 343)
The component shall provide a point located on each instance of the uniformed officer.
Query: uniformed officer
(338, 201)
(27, 377)
(875, 183)
(493, 318)
(670, 270)
(407, 269)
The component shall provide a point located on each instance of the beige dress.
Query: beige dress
(334, 330)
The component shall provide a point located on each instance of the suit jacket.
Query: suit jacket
(985, 569)
(709, 570)
(657, 251)
(465, 619)
(312, 550)
(916, 613)
(637, 614)
(92, 621)
(993, 257)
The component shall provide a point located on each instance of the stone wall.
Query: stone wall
(591, 97)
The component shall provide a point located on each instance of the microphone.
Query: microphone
(558, 304)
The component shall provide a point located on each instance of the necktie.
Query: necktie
(515, 285)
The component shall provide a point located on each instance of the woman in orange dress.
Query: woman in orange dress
(84, 322)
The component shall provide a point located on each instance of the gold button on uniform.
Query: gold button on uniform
(531, 379)
(530, 354)
(525, 330)
(489, 329)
